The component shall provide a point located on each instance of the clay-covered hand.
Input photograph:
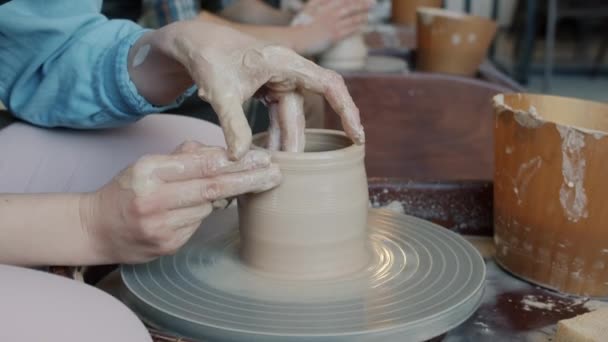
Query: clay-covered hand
(326, 22)
(154, 206)
(230, 67)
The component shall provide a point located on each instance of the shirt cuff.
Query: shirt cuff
(117, 90)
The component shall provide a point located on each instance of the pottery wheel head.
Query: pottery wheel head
(422, 281)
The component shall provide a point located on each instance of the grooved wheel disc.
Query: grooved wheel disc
(422, 281)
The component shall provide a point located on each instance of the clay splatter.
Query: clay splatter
(525, 174)
(456, 39)
(472, 38)
(572, 195)
(533, 302)
(427, 19)
(395, 206)
(530, 118)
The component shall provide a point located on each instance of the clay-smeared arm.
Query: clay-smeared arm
(320, 24)
(228, 68)
(150, 209)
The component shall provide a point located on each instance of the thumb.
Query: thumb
(234, 124)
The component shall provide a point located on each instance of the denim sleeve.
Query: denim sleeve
(165, 12)
(62, 64)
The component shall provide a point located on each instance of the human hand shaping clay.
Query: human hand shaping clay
(230, 67)
(154, 206)
(326, 22)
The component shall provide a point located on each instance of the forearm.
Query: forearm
(84, 60)
(255, 12)
(291, 37)
(45, 229)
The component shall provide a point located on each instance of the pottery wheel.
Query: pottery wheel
(422, 281)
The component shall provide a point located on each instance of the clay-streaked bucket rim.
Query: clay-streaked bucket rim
(538, 118)
(451, 15)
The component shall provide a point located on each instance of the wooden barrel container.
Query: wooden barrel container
(551, 191)
(404, 11)
(451, 42)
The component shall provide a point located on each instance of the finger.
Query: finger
(355, 7)
(339, 99)
(181, 235)
(201, 163)
(358, 20)
(234, 124)
(291, 121)
(274, 129)
(332, 86)
(200, 191)
(349, 27)
(314, 7)
(185, 217)
(287, 65)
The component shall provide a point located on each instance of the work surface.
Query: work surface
(511, 310)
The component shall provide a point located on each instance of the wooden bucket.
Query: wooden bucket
(404, 11)
(551, 193)
(452, 43)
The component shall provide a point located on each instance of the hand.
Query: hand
(154, 206)
(325, 22)
(230, 67)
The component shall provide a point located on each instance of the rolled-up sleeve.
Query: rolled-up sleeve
(62, 64)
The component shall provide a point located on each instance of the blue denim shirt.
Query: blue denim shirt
(63, 64)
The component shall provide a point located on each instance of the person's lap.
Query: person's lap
(34, 160)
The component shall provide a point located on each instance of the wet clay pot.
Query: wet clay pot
(551, 192)
(348, 54)
(452, 43)
(314, 225)
(404, 11)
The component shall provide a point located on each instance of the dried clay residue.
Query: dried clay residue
(572, 195)
(531, 301)
(525, 173)
(559, 304)
(394, 206)
(530, 118)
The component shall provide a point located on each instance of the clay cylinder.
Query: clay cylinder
(551, 193)
(404, 11)
(452, 43)
(348, 54)
(314, 225)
